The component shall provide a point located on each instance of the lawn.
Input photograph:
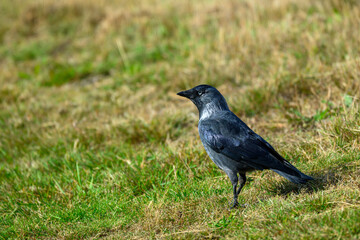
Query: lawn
(95, 143)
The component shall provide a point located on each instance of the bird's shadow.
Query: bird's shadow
(322, 180)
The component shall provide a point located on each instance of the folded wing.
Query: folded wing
(229, 136)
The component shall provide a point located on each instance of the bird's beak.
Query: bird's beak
(187, 93)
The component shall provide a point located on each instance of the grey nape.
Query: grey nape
(232, 145)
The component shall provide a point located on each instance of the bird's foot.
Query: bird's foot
(235, 204)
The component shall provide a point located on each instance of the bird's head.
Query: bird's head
(206, 98)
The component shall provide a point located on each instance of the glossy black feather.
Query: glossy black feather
(226, 134)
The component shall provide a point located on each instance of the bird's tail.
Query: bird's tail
(292, 174)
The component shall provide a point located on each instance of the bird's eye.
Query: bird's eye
(200, 93)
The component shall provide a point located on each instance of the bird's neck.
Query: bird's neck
(212, 108)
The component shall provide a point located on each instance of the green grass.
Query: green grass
(94, 142)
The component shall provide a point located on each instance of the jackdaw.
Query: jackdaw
(232, 145)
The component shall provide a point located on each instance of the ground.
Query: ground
(95, 144)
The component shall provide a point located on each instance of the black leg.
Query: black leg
(234, 181)
(235, 202)
(242, 182)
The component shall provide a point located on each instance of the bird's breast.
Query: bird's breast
(225, 163)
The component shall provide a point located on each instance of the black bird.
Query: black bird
(232, 145)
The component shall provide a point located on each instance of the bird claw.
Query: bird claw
(237, 205)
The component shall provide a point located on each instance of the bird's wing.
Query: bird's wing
(232, 138)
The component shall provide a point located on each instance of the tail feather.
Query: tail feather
(292, 174)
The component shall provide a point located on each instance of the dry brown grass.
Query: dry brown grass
(94, 142)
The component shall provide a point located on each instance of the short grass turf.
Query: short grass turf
(95, 144)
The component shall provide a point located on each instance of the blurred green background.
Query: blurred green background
(94, 142)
